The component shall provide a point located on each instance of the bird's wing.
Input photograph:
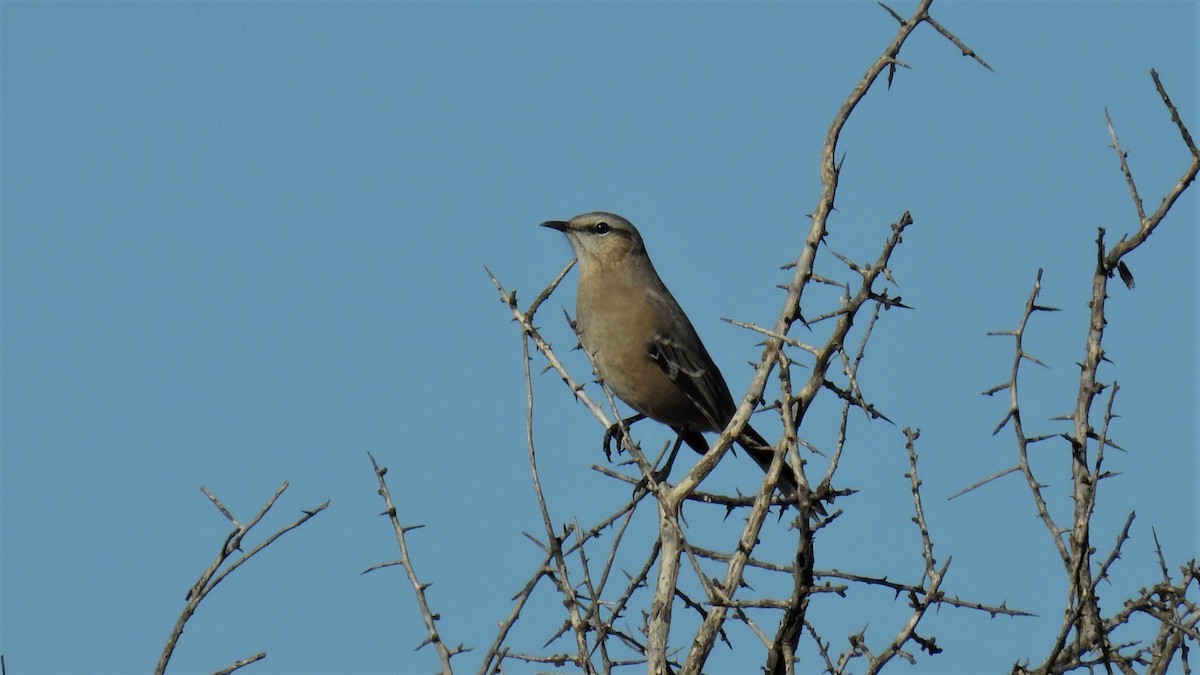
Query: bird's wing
(689, 366)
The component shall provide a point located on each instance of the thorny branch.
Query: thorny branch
(932, 576)
(214, 574)
(434, 637)
(672, 544)
(1092, 646)
(1085, 637)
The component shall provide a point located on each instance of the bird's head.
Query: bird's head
(600, 238)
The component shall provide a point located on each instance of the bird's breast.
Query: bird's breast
(617, 326)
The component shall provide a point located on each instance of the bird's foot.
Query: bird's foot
(616, 432)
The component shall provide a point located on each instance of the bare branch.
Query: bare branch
(241, 664)
(214, 574)
(562, 578)
(433, 636)
(980, 483)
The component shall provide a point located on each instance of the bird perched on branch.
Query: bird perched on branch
(643, 345)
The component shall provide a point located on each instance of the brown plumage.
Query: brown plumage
(643, 345)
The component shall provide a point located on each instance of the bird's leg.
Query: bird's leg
(662, 474)
(617, 432)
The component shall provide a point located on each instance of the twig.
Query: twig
(1082, 613)
(214, 574)
(562, 579)
(433, 637)
(1014, 415)
(242, 663)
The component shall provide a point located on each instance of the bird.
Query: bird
(642, 344)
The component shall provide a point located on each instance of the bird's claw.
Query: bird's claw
(612, 433)
(616, 432)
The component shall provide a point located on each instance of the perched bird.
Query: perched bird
(643, 345)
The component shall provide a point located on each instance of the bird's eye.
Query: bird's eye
(602, 228)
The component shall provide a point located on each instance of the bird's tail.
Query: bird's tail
(763, 453)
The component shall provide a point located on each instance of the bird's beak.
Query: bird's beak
(560, 225)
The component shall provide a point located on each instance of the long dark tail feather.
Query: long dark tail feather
(760, 451)
(763, 453)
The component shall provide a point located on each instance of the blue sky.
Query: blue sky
(244, 243)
